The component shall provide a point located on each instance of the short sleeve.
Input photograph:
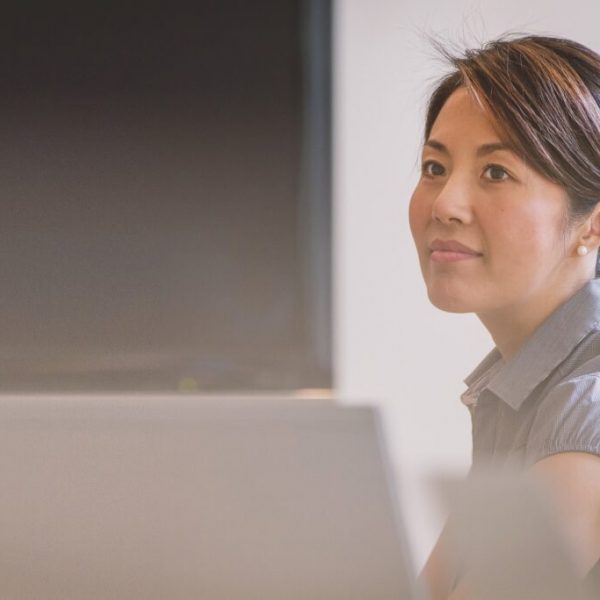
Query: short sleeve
(567, 420)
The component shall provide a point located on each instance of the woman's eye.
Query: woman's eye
(431, 168)
(496, 173)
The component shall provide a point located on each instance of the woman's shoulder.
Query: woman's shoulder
(567, 414)
(584, 361)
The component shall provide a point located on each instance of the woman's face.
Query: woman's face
(475, 191)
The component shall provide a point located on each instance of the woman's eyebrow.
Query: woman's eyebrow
(489, 148)
(437, 145)
(481, 151)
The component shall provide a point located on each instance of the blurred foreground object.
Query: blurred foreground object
(506, 540)
(160, 497)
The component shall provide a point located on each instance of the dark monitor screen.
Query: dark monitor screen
(165, 193)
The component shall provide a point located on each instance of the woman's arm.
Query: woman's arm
(439, 573)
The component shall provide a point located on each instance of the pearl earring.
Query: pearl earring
(582, 250)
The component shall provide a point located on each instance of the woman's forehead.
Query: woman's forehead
(463, 119)
(462, 109)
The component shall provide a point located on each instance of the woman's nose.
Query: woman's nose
(453, 203)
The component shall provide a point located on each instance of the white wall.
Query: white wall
(391, 346)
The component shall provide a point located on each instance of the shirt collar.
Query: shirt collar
(545, 348)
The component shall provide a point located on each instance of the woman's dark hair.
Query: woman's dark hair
(544, 94)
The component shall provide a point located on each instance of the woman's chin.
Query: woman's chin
(450, 302)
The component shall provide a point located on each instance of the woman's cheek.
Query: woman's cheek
(417, 216)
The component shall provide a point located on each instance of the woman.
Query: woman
(506, 222)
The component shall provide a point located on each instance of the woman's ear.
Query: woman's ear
(589, 230)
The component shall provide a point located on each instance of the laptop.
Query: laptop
(154, 497)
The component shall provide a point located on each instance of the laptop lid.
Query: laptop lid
(176, 497)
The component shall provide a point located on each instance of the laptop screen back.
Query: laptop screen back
(158, 497)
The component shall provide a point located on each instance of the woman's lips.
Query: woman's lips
(445, 251)
(445, 256)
